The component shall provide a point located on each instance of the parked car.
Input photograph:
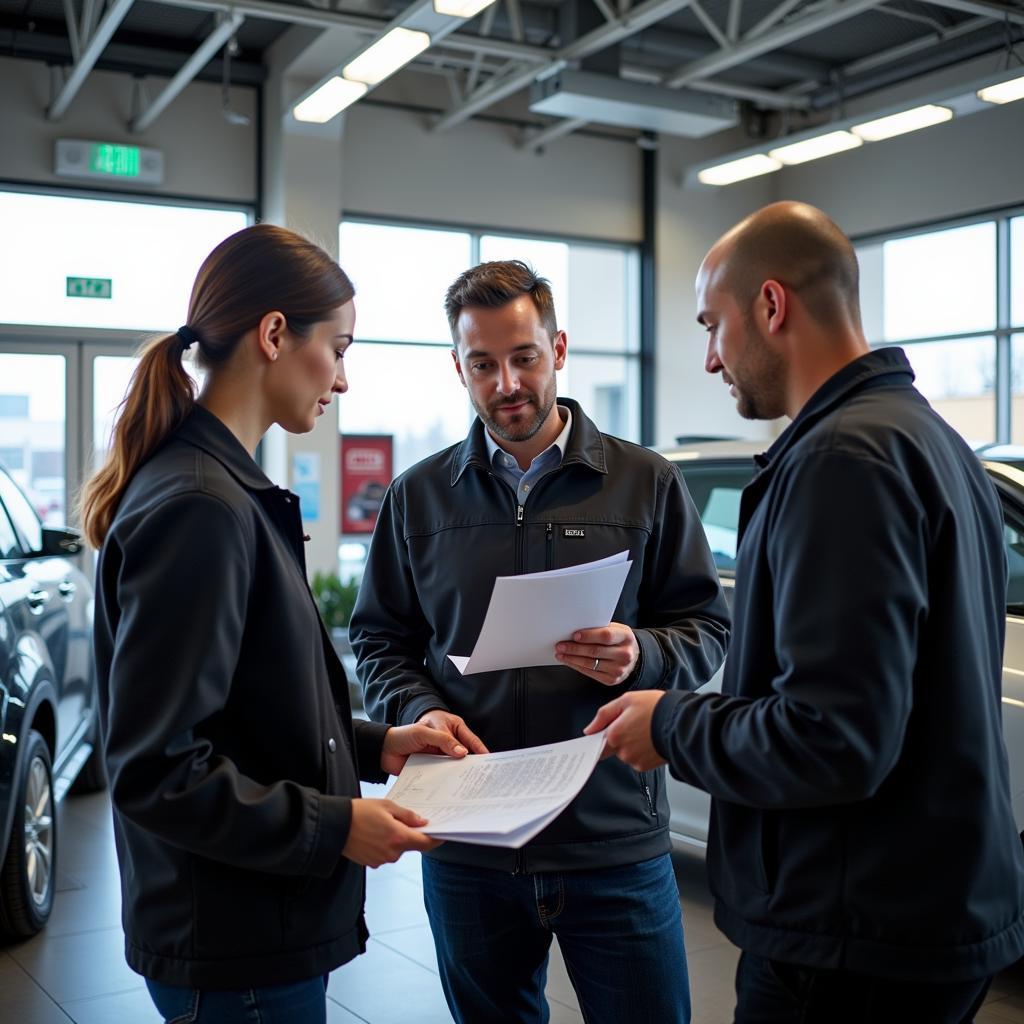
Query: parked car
(716, 473)
(48, 716)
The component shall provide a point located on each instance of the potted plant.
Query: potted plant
(335, 601)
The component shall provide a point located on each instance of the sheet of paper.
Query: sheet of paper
(529, 614)
(501, 799)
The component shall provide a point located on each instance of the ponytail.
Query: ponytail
(160, 397)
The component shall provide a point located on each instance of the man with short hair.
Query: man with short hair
(537, 486)
(863, 851)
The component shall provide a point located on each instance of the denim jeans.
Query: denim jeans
(304, 1002)
(770, 992)
(620, 931)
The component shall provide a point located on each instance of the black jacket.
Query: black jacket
(861, 815)
(229, 738)
(448, 527)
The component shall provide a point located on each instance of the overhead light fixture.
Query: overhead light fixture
(386, 56)
(328, 101)
(899, 124)
(461, 8)
(1004, 92)
(739, 170)
(815, 148)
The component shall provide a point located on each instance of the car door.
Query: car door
(715, 487)
(39, 591)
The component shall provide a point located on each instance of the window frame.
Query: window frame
(1004, 330)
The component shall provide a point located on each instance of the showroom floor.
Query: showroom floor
(75, 970)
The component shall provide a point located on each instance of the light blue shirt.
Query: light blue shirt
(523, 481)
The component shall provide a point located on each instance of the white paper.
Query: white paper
(529, 614)
(500, 799)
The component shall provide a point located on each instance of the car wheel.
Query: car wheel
(27, 878)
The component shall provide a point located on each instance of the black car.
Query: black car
(48, 717)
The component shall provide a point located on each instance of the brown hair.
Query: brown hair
(496, 284)
(256, 270)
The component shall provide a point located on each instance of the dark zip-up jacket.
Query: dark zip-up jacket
(229, 739)
(861, 816)
(448, 527)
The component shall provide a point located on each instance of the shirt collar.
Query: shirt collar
(561, 442)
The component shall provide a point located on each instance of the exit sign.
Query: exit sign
(108, 161)
(90, 287)
(117, 161)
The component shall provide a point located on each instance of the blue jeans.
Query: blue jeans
(304, 1002)
(620, 931)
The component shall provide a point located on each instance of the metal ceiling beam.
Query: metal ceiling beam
(783, 35)
(997, 12)
(772, 17)
(514, 79)
(213, 42)
(556, 131)
(90, 52)
(72, 20)
(762, 97)
(732, 24)
(710, 24)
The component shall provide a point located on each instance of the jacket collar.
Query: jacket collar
(586, 445)
(204, 430)
(863, 372)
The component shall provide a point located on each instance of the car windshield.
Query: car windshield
(716, 489)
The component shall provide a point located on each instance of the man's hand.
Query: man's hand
(381, 832)
(455, 726)
(403, 740)
(607, 654)
(629, 728)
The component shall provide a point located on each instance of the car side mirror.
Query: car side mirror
(61, 542)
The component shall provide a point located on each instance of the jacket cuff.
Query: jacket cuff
(650, 667)
(665, 720)
(417, 707)
(369, 746)
(333, 822)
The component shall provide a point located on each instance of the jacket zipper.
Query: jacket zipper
(519, 686)
(647, 793)
(550, 557)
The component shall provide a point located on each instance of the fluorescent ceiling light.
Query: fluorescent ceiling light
(814, 149)
(386, 56)
(898, 124)
(461, 8)
(1005, 92)
(738, 170)
(328, 101)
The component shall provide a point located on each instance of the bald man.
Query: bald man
(862, 852)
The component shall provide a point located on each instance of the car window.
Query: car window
(9, 546)
(1013, 542)
(23, 515)
(716, 490)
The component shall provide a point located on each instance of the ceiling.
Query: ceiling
(775, 61)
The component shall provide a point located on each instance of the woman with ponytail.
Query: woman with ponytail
(230, 746)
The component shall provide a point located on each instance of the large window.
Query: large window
(402, 381)
(952, 297)
(73, 262)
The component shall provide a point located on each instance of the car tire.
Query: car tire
(28, 876)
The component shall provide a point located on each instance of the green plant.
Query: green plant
(334, 598)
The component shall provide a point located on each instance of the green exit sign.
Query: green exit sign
(117, 161)
(90, 287)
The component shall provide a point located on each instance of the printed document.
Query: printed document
(500, 799)
(531, 613)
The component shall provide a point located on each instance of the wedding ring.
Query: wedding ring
(597, 661)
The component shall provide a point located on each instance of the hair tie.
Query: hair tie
(187, 336)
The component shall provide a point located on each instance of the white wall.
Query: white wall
(474, 174)
(203, 154)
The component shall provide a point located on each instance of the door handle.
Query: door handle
(66, 589)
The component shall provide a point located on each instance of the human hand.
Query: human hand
(403, 740)
(607, 654)
(628, 719)
(381, 832)
(455, 726)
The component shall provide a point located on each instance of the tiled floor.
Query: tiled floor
(75, 970)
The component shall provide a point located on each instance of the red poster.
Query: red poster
(367, 462)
